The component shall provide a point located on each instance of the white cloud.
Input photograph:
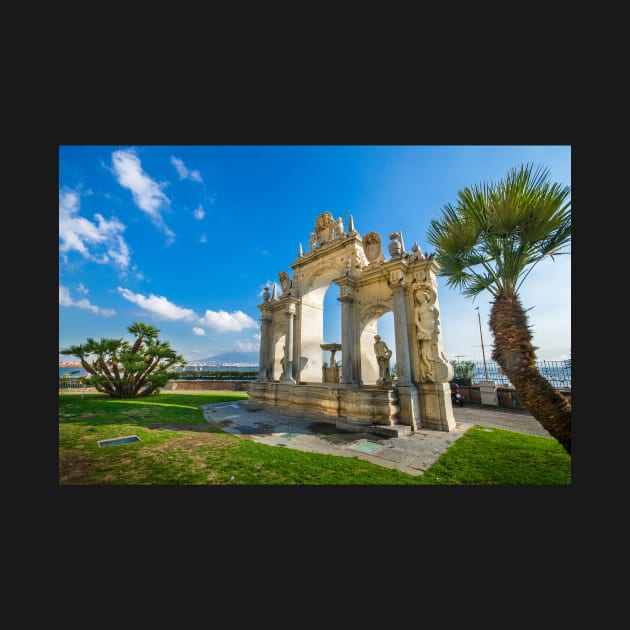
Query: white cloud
(100, 242)
(221, 321)
(224, 321)
(66, 300)
(199, 213)
(247, 346)
(203, 238)
(147, 194)
(183, 172)
(159, 306)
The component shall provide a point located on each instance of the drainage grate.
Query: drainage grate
(368, 447)
(291, 436)
(126, 439)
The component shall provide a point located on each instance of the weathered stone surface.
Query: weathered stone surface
(295, 376)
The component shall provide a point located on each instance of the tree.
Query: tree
(463, 369)
(123, 370)
(490, 241)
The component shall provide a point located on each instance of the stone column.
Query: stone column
(287, 375)
(348, 351)
(265, 332)
(407, 392)
(403, 365)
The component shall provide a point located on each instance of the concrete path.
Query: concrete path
(412, 454)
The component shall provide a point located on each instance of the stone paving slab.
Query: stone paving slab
(410, 453)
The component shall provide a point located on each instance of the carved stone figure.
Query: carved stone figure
(324, 227)
(285, 282)
(339, 228)
(397, 245)
(372, 247)
(426, 318)
(383, 355)
(416, 252)
(313, 241)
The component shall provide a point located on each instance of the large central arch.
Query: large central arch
(294, 374)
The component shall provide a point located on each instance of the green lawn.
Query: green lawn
(179, 447)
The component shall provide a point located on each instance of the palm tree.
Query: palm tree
(490, 241)
(122, 370)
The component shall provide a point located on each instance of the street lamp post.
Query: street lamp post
(483, 353)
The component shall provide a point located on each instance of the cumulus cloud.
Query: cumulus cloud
(65, 299)
(199, 213)
(247, 346)
(223, 321)
(147, 194)
(100, 241)
(183, 172)
(159, 306)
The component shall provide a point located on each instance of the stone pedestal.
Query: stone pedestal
(436, 406)
(488, 391)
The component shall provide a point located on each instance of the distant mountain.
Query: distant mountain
(234, 356)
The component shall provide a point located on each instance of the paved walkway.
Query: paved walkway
(412, 454)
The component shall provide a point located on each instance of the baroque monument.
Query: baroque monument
(298, 371)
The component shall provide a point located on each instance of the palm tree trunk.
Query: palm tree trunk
(514, 352)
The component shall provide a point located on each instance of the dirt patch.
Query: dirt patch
(74, 468)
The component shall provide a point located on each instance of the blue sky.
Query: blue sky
(186, 237)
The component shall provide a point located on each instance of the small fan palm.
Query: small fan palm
(122, 370)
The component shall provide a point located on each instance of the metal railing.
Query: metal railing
(558, 373)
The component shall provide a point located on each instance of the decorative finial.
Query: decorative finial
(266, 293)
(273, 292)
(300, 252)
(350, 224)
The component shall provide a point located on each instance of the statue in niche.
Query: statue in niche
(426, 320)
(372, 247)
(285, 282)
(383, 355)
(324, 227)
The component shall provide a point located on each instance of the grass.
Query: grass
(179, 447)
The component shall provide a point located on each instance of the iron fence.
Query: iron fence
(558, 373)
